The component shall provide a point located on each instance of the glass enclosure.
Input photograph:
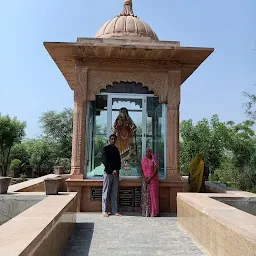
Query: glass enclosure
(155, 135)
(138, 120)
(129, 141)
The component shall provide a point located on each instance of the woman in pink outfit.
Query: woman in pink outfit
(150, 185)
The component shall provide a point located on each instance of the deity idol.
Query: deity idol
(125, 130)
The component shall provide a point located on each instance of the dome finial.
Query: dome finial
(127, 11)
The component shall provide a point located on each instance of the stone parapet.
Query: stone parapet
(43, 229)
(219, 228)
(37, 184)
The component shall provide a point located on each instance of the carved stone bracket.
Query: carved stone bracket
(157, 82)
(80, 87)
(79, 120)
(173, 95)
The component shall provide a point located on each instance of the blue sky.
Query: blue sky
(30, 82)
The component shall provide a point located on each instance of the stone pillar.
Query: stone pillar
(79, 124)
(172, 126)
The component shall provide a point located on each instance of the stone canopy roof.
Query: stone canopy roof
(126, 39)
(127, 25)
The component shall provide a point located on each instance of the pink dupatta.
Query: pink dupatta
(151, 196)
(148, 166)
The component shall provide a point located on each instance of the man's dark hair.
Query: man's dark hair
(113, 135)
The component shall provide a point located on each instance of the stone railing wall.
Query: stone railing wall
(43, 229)
(37, 184)
(218, 228)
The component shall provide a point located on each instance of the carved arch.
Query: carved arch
(99, 80)
(127, 87)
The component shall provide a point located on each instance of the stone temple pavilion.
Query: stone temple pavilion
(125, 70)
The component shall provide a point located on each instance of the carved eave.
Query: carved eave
(65, 55)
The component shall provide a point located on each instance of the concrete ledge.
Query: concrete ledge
(13, 204)
(43, 229)
(219, 228)
(37, 184)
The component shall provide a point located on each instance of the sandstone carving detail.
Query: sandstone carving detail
(99, 80)
(79, 133)
(129, 65)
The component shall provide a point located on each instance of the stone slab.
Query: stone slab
(130, 234)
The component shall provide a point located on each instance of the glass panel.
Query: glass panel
(89, 142)
(127, 125)
(156, 131)
(98, 136)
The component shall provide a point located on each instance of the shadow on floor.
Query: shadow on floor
(80, 240)
(137, 214)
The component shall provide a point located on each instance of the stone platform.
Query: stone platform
(129, 235)
(167, 193)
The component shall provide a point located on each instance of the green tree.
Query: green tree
(100, 142)
(41, 155)
(19, 151)
(243, 159)
(242, 143)
(15, 163)
(11, 131)
(229, 150)
(15, 167)
(65, 162)
(250, 106)
(207, 137)
(58, 128)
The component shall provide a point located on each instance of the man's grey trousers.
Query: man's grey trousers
(110, 190)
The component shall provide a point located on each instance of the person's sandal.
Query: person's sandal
(105, 214)
(118, 214)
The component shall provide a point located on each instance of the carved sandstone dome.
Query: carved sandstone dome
(127, 25)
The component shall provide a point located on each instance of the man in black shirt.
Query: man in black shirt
(112, 162)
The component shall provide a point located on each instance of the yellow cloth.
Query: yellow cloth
(196, 170)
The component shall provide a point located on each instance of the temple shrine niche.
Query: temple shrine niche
(136, 117)
(125, 81)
